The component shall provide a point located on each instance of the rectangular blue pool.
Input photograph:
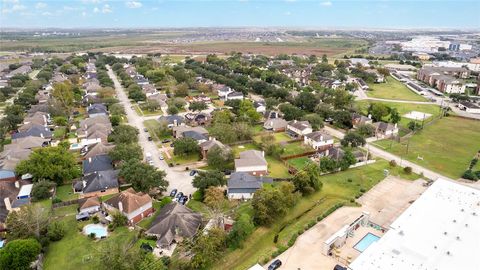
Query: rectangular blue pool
(366, 241)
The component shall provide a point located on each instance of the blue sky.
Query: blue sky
(290, 13)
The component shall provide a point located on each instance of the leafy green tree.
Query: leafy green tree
(306, 101)
(42, 190)
(207, 248)
(347, 160)
(366, 130)
(185, 146)
(19, 254)
(222, 117)
(378, 111)
(290, 111)
(55, 164)
(197, 106)
(126, 151)
(152, 105)
(206, 179)
(241, 229)
(214, 198)
(395, 116)
(353, 139)
(307, 180)
(29, 221)
(143, 177)
(124, 134)
(63, 93)
(116, 109)
(56, 231)
(315, 120)
(60, 121)
(13, 116)
(117, 256)
(413, 126)
(247, 112)
(219, 158)
(270, 204)
(328, 165)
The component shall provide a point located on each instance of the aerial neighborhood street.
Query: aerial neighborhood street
(194, 135)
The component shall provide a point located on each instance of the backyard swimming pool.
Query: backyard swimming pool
(98, 229)
(366, 241)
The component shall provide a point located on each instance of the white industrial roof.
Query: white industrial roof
(25, 190)
(439, 231)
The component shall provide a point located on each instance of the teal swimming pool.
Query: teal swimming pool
(366, 241)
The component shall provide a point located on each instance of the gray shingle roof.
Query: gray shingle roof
(97, 163)
(36, 131)
(194, 135)
(241, 180)
(98, 181)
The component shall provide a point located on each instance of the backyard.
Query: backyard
(446, 146)
(392, 89)
(340, 187)
(403, 108)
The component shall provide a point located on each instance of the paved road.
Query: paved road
(178, 178)
(376, 151)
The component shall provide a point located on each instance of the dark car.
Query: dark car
(339, 267)
(193, 172)
(146, 247)
(171, 145)
(145, 129)
(183, 200)
(173, 192)
(275, 265)
(227, 172)
(166, 141)
(149, 138)
(179, 195)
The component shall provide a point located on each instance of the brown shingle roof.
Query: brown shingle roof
(130, 200)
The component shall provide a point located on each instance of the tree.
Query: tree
(307, 180)
(395, 116)
(42, 190)
(315, 120)
(270, 204)
(413, 126)
(197, 106)
(30, 221)
(56, 231)
(185, 146)
(117, 256)
(214, 197)
(241, 229)
(347, 160)
(353, 139)
(246, 112)
(342, 119)
(126, 152)
(55, 164)
(116, 109)
(290, 111)
(172, 110)
(306, 101)
(119, 219)
(143, 177)
(206, 179)
(152, 105)
(13, 116)
(378, 111)
(366, 130)
(207, 248)
(19, 254)
(137, 95)
(328, 165)
(124, 134)
(63, 93)
(219, 158)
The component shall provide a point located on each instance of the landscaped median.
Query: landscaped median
(338, 188)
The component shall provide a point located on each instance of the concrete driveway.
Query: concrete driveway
(178, 178)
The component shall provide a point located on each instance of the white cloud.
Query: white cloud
(14, 8)
(133, 4)
(290, 0)
(106, 9)
(40, 5)
(92, 1)
(326, 3)
(46, 13)
(84, 14)
(288, 13)
(96, 10)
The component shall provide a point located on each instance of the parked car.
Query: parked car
(339, 267)
(193, 172)
(275, 265)
(173, 192)
(149, 138)
(166, 141)
(183, 200)
(145, 129)
(179, 195)
(161, 157)
(150, 162)
(171, 145)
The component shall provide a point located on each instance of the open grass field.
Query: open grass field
(403, 108)
(392, 89)
(337, 188)
(446, 146)
(295, 148)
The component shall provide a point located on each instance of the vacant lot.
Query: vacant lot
(403, 108)
(392, 89)
(447, 146)
(338, 187)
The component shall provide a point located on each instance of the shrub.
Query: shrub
(118, 220)
(56, 200)
(473, 163)
(393, 163)
(92, 235)
(95, 219)
(407, 170)
(56, 231)
(41, 190)
(470, 175)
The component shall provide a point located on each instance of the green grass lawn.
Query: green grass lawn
(295, 148)
(392, 89)
(337, 188)
(152, 126)
(447, 146)
(403, 108)
(299, 163)
(59, 133)
(65, 193)
(76, 251)
(276, 167)
(184, 159)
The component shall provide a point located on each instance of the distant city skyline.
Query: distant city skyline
(356, 14)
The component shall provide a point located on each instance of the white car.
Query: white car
(150, 162)
(161, 157)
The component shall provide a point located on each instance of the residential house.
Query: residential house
(275, 124)
(234, 95)
(174, 223)
(198, 119)
(36, 131)
(22, 70)
(89, 205)
(96, 149)
(260, 106)
(362, 84)
(96, 164)
(224, 91)
(134, 205)
(337, 153)
(97, 109)
(9, 191)
(253, 162)
(179, 130)
(299, 128)
(318, 140)
(172, 120)
(200, 98)
(7, 169)
(197, 136)
(385, 130)
(358, 120)
(99, 183)
(242, 186)
(211, 143)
